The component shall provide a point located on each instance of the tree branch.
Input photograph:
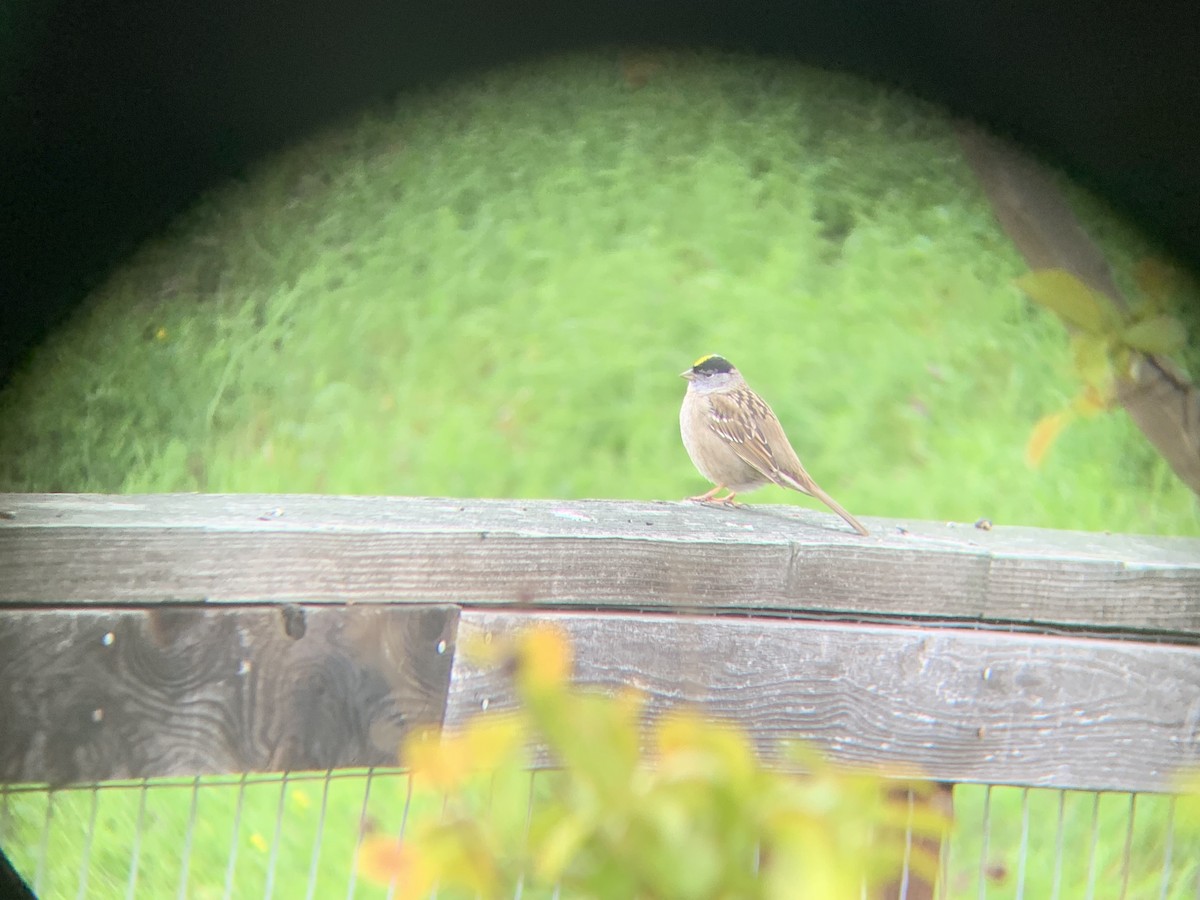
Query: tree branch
(1034, 213)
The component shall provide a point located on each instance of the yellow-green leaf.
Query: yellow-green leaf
(1043, 436)
(561, 842)
(1090, 402)
(1159, 335)
(1074, 302)
(1089, 353)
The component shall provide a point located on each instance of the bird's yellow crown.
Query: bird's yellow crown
(712, 365)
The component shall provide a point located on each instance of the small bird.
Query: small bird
(736, 441)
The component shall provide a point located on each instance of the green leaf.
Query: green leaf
(558, 845)
(1159, 335)
(1092, 363)
(1074, 302)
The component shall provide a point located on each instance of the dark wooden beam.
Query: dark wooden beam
(57, 549)
(948, 704)
(95, 694)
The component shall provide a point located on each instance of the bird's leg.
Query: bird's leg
(728, 500)
(704, 498)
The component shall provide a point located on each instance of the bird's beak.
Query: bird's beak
(687, 374)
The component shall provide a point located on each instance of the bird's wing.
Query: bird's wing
(751, 430)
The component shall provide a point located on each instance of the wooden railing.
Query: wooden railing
(187, 634)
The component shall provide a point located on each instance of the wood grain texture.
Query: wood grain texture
(100, 694)
(58, 549)
(953, 705)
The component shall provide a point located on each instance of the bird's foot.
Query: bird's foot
(711, 497)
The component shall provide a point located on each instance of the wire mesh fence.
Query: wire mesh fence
(297, 835)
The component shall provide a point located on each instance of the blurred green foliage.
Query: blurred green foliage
(1105, 342)
(681, 809)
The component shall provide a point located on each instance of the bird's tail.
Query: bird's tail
(810, 487)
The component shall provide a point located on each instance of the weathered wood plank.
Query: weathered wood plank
(956, 705)
(99, 694)
(678, 556)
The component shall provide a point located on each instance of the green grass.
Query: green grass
(1067, 875)
(489, 290)
(181, 846)
(301, 835)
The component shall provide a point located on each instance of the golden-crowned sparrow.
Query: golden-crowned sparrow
(736, 441)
